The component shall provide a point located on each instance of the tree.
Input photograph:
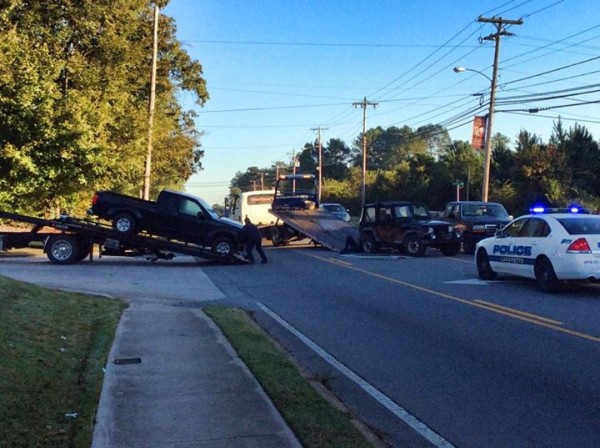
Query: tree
(387, 148)
(502, 160)
(335, 159)
(465, 165)
(436, 138)
(583, 158)
(73, 102)
(541, 173)
(308, 159)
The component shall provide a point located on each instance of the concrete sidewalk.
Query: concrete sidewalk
(173, 380)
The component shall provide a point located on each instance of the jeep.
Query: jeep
(406, 227)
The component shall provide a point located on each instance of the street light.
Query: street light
(488, 133)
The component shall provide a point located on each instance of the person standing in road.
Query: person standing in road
(252, 238)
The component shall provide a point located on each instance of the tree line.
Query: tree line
(425, 165)
(74, 92)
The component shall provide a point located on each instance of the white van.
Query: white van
(255, 205)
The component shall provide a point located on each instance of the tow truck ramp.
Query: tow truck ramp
(318, 225)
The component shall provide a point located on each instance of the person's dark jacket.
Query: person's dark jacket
(250, 234)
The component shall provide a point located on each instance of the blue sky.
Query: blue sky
(277, 69)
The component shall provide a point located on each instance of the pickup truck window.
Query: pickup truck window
(208, 209)
(190, 208)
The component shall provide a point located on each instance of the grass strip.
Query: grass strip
(53, 348)
(313, 419)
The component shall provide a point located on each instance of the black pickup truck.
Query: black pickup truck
(174, 215)
(476, 220)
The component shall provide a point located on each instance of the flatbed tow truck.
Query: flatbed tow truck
(296, 208)
(71, 240)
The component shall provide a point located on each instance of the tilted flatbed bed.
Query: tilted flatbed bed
(320, 226)
(71, 240)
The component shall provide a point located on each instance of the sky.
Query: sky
(278, 70)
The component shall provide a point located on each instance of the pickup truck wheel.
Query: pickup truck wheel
(224, 245)
(124, 223)
(484, 268)
(450, 250)
(63, 249)
(413, 246)
(368, 244)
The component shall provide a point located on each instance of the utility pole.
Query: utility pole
(364, 104)
(320, 161)
(151, 105)
(295, 165)
(499, 22)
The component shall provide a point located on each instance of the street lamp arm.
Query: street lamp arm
(460, 69)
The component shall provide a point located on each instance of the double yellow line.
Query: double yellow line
(481, 304)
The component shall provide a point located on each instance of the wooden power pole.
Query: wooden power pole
(364, 104)
(151, 106)
(499, 22)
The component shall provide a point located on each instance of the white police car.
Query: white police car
(547, 247)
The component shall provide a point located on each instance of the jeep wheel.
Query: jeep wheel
(368, 244)
(450, 250)
(413, 246)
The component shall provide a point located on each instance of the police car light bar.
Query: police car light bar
(538, 209)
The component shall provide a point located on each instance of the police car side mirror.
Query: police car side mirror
(500, 234)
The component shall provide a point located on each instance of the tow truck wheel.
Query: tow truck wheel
(413, 246)
(545, 275)
(223, 245)
(124, 223)
(276, 239)
(484, 268)
(63, 249)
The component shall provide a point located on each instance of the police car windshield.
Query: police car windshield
(581, 225)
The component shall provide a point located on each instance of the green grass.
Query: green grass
(53, 347)
(313, 419)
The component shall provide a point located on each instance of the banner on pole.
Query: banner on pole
(479, 127)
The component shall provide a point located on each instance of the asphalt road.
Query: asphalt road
(423, 343)
(419, 348)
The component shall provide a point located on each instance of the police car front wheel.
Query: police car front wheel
(484, 268)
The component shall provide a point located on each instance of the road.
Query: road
(418, 348)
(475, 363)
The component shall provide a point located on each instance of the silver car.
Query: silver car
(337, 210)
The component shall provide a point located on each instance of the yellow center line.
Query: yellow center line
(522, 313)
(515, 314)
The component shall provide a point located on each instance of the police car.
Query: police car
(547, 245)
